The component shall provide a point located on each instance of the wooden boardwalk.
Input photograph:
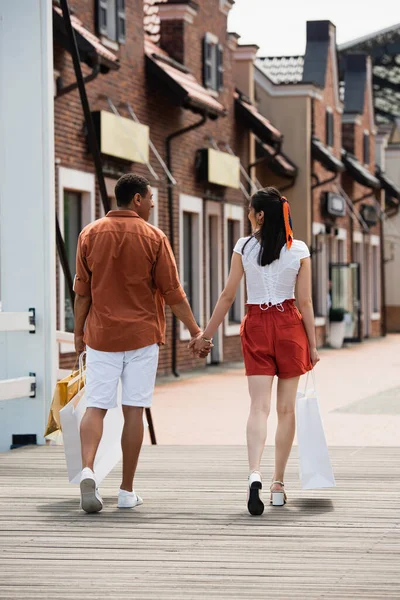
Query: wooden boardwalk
(193, 538)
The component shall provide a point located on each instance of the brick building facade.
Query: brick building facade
(312, 101)
(175, 71)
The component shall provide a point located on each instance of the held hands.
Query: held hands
(199, 346)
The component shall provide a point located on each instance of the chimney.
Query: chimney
(175, 17)
(356, 69)
(320, 36)
(243, 69)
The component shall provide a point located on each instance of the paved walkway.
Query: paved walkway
(193, 538)
(359, 391)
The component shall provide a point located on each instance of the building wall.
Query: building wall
(154, 107)
(392, 250)
(292, 116)
(353, 136)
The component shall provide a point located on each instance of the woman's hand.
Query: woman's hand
(315, 358)
(200, 347)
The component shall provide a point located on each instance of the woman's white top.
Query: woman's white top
(274, 283)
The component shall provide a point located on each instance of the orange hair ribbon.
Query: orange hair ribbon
(288, 222)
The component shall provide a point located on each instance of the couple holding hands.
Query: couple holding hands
(125, 274)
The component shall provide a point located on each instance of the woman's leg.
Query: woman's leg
(286, 401)
(260, 387)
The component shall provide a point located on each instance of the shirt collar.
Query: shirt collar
(122, 213)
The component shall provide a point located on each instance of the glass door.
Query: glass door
(346, 295)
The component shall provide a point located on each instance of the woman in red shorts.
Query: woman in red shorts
(277, 338)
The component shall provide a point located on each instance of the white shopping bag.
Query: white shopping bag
(109, 451)
(314, 462)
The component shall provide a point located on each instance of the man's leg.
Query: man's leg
(91, 432)
(103, 370)
(138, 379)
(132, 439)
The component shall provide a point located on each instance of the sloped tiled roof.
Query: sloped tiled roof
(93, 40)
(188, 91)
(256, 121)
(282, 69)
(383, 47)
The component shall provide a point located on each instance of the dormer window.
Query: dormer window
(366, 148)
(111, 19)
(213, 63)
(330, 128)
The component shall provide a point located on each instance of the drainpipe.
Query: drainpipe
(61, 90)
(168, 147)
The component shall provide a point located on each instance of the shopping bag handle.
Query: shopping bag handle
(308, 380)
(82, 367)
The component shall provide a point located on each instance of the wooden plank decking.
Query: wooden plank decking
(193, 538)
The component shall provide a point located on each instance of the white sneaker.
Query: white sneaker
(128, 499)
(91, 501)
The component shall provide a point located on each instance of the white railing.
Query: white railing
(21, 387)
(65, 341)
(18, 321)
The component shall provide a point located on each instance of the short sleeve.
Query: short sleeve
(166, 276)
(302, 250)
(239, 245)
(83, 277)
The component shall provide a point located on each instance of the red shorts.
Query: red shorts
(274, 341)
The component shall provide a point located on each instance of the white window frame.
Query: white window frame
(233, 212)
(375, 243)
(366, 132)
(84, 183)
(341, 236)
(321, 307)
(192, 204)
(329, 110)
(213, 209)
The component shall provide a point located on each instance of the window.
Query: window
(330, 129)
(188, 226)
(234, 229)
(72, 229)
(191, 256)
(76, 209)
(213, 63)
(233, 234)
(375, 280)
(366, 148)
(111, 19)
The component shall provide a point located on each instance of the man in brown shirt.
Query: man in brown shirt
(125, 273)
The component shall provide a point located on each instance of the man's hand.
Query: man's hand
(199, 346)
(79, 344)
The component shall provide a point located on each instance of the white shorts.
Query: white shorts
(137, 370)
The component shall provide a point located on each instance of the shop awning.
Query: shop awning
(359, 172)
(323, 155)
(279, 163)
(91, 50)
(392, 192)
(258, 124)
(181, 83)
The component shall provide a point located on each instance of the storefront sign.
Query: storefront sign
(219, 168)
(121, 137)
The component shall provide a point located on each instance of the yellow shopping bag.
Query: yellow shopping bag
(65, 390)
